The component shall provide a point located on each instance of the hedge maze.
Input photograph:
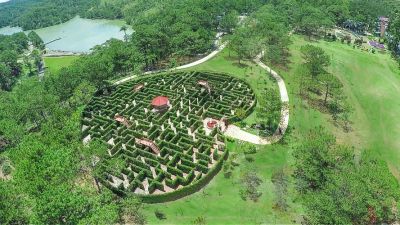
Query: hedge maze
(163, 155)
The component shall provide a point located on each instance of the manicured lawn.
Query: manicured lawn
(220, 202)
(372, 85)
(54, 64)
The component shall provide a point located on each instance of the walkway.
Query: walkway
(198, 62)
(237, 133)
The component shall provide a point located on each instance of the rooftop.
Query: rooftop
(160, 101)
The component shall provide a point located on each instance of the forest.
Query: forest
(33, 14)
(46, 170)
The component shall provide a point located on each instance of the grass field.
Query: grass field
(54, 64)
(372, 85)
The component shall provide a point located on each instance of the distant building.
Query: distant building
(383, 25)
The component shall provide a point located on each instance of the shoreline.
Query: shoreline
(60, 53)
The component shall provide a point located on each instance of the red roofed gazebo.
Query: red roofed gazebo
(160, 102)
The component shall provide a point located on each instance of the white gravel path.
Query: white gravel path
(237, 133)
(218, 38)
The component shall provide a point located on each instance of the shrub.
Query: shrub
(6, 169)
(160, 215)
(251, 149)
(250, 182)
(249, 158)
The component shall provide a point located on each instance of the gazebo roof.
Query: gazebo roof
(160, 101)
(211, 124)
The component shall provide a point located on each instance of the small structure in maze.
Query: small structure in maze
(205, 84)
(171, 154)
(138, 87)
(160, 103)
(148, 143)
(122, 120)
(211, 124)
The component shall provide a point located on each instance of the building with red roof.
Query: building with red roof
(211, 124)
(160, 103)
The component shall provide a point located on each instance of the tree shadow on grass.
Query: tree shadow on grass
(319, 104)
(235, 61)
(240, 65)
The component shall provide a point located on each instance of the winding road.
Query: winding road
(232, 130)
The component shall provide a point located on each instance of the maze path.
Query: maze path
(186, 153)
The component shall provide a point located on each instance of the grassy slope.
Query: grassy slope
(372, 84)
(54, 64)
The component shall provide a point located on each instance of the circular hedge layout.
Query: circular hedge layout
(164, 132)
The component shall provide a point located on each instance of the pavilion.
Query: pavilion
(160, 103)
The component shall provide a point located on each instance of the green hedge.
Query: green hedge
(186, 190)
(99, 114)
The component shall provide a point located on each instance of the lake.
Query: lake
(78, 34)
(10, 30)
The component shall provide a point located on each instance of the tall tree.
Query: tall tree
(331, 85)
(36, 40)
(311, 19)
(313, 160)
(124, 28)
(6, 77)
(316, 60)
(244, 43)
(230, 21)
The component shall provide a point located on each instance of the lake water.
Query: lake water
(9, 30)
(78, 34)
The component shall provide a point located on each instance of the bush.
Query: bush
(251, 182)
(228, 174)
(6, 169)
(230, 139)
(249, 158)
(160, 215)
(251, 149)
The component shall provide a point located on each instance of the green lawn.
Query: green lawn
(220, 202)
(54, 64)
(372, 85)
